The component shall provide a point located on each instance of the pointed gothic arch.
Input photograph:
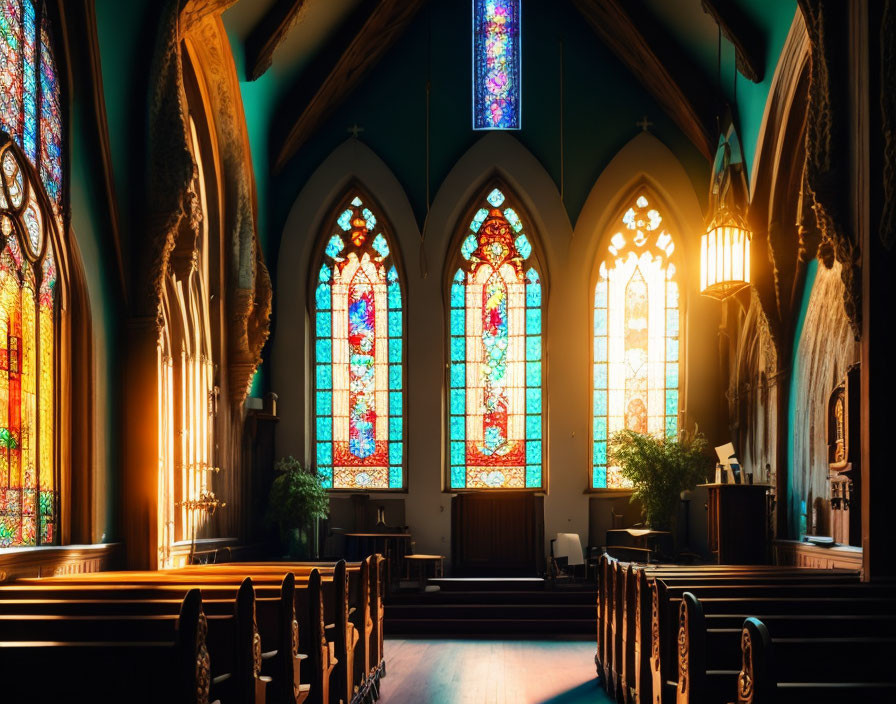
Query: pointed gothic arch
(496, 293)
(357, 309)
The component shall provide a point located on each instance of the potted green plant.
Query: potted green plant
(297, 501)
(659, 469)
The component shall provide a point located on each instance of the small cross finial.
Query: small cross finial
(644, 123)
(355, 130)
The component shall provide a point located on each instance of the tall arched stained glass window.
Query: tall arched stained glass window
(359, 353)
(495, 351)
(636, 337)
(29, 90)
(496, 64)
(30, 197)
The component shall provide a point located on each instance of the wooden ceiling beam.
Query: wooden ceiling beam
(385, 23)
(690, 109)
(270, 31)
(194, 11)
(747, 40)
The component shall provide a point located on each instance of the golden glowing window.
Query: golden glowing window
(28, 475)
(636, 337)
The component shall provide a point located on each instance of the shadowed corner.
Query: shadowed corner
(586, 693)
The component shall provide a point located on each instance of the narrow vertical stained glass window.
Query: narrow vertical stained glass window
(636, 338)
(30, 195)
(495, 352)
(496, 64)
(358, 354)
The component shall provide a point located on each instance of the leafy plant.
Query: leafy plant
(659, 469)
(297, 496)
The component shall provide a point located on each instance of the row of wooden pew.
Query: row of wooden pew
(239, 633)
(716, 634)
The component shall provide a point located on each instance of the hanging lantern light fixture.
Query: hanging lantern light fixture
(725, 246)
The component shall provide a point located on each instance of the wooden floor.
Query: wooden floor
(490, 672)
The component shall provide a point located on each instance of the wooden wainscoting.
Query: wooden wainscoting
(798, 554)
(17, 563)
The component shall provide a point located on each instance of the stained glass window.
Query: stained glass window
(636, 337)
(29, 90)
(495, 352)
(28, 488)
(359, 353)
(496, 64)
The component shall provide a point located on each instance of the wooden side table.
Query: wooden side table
(422, 561)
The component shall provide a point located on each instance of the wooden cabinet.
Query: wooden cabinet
(497, 535)
(737, 523)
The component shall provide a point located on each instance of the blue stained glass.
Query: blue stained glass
(394, 377)
(324, 376)
(599, 478)
(524, 247)
(345, 220)
(396, 477)
(533, 295)
(671, 403)
(672, 375)
(458, 401)
(457, 296)
(395, 403)
(600, 321)
(458, 427)
(600, 428)
(671, 321)
(533, 321)
(458, 320)
(392, 275)
(395, 429)
(600, 452)
(600, 376)
(532, 277)
(356, 201)
(671, 426)
(671, 349)
(533, 427)
(469, 246)
(478, 219)
(324, 403)
(533, 476)
(533, 373)
(533, 452)
(495, 198)
(326, 476)
(458, 347)
(600, 349)
(515, 223)
(323, 326)
(458, 477)
(395, 324)
(324, 351)
(496, 64)
(380, 245)
(394, 295)
(324, 428)
(335, 246)
(369, 217)
(459, 276)
(600, 403)
(533, 348)
(395, 350)
(322, 297)
(324, 274)
(458, 453)
(458, 375)
(533, 400)
(324, 453)
(600, 295)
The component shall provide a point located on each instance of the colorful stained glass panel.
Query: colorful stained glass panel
(496, 64)
(359, 355)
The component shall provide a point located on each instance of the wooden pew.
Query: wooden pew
(66, 667)
(234, 642)
(830, 669)
(709, 644)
